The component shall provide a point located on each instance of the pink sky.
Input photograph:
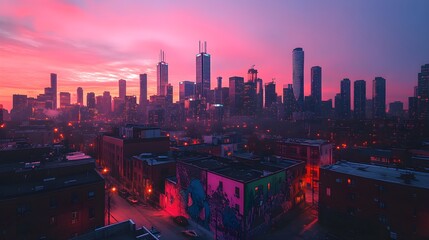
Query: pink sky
(93, 44)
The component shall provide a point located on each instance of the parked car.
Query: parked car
(123, 193)
(190, 233)
(132, 200)
(181, 220)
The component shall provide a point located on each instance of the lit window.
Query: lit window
(52, 220)
(328, 192)
(91, 194)
(269, 186)
(338, 180)
(75, 217)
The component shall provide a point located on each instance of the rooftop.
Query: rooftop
(240, 173)
(380, 173)
(308, 142)
(152, 159)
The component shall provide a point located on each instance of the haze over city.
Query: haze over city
(93, 45)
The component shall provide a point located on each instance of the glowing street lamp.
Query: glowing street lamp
(109, 191)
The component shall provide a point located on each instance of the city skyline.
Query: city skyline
(392, 49)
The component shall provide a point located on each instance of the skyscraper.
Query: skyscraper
(80, 96)
(259, 95)
(54, 90)
(203, 72)
(236, 87)
(65, 99)
(186, 90)
(169, 96)
(218, 91)
(162, 75)
(90, 100)
(345, 98)
(316, 86)
(270, 94)
(298, 75)
(379, 97)
(289, 101)
(106, 106)
(252, 74)
(359, 99)
(143, 89)
(122, 88)
(423, 92)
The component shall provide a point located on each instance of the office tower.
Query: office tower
(225, 96)
(316, 87)
(122, 88)
(252, 74)
(203, 72)
(54, 90)
(345, 98)
(79, 96)
(218, 91)
(339, 106)
(359, 99)
(169, 96)
(298, 75)
(143, 89)
(236, 87)
(379, 97)
(20, 110)
(413, 103)
(396, 109)
(186, 90)
(118, 106)
(270, 94)
(65, 99)
(249, 98)
(423, 92)
(289, 101)
(90, 100)
(162, 75)
(99, 103)
(106, 106)
(259, 95)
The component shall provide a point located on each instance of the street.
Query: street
(146, 216)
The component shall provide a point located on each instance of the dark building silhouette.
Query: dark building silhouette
(396, 109)
(298, 75)
(65, 99)
(169, 96)
(345, 98)
(186, 90)
(379, 97)
(162, 75)
(90, 100)
(259, 95)
(339, 106)
(413, 105)
(20, 110)
(423, 92)
(218, 91)
(54, 90)
(106, 105)
(122, 88)
(316, 87)
(143, 89)
(236, 88)
(249, 99)
(289, 101)
(270, 94)
(79, 100)
(359, 99)
(202, 72)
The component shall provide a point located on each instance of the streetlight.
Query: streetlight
(109, 191)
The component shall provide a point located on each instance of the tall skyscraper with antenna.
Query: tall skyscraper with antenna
(203, 72)
(162, 75)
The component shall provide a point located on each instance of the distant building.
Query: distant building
(345, 99)
(236, 88)
(65, 99)
(62, 200)
(316, 87)
(202, 72)
(186, 90)
(359, 99)
(143, 89)
(270, 94)
(122, 88)
(423, 92)
(379, 97)
(106, 104)
(259, 95)
(396, 109)
(289, 102)
(20, 110)
(54, 90)
(162, 75)
(90, 100)
(79, 95)
(374, 202)
(169, 96)
(298, 75)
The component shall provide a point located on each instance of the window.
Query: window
(338, 180)
(328, 192)
(220, 186)
(91, 194)
(52, 220)
(269, 186)
(237, 192)
(23, 209)
(382, 204)
(53, 202)
(91, 213)
(75, 217)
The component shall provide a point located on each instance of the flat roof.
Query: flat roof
(302, 141)
(11, 189)
(240, 173)
(381, 173)
(154, 159)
